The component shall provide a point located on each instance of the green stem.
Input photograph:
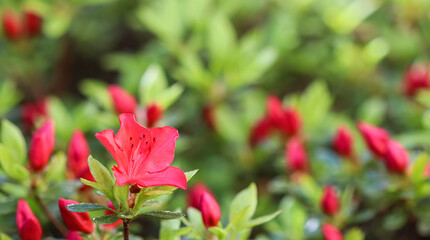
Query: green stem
(49, 215)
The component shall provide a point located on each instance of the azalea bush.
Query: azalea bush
(214, 119)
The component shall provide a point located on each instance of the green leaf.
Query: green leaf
(97, 92)
(293, 218)
(12, 168)
(418, 168)
(190, 174)
(4, 237)
(106, 219)
(219, 232)
(153, 82)
(354, 234)
(221, 46)
(13, 139)
(263, 219)
(246, 198)
(121, 195)
(372, 111)
(92, 184)
(87, 207)
(56, 168)
(170, 95)
(165, 214)
(102, 176)
(395, 219)
(314, 104)
(7, 207)
(62, 118)
(9, 95)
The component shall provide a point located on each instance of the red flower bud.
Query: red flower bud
(210, 210)
(33, 23)
(42, 146)
(343, 142)
(195, 194)
(376, 138)
(209, 116)
(330, 202)
(396, 157)
(85, 174)
(330, 232)
(153, 114)
(73, 235)
(28, 226)
(123, 101)
(200, 198)
(111, 226)
(32, 112)
(416, 77)
(75, 221)
(77, 153)
(296, 156)
(12, 25)
(286, 120)
(260, 131)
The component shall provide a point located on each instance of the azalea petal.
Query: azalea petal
(171, 176)
(106, 137)
(162, 149)
(131, 134)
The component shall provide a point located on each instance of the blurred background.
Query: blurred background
(208, 66)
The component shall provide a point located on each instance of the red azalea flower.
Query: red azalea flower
(396, 157)
(32, 112)
(123, 101)
(77, 153)
(33, 23)
(153, 114)
(28, 226)
(330, 202)
(75, 221)
(12, 25)
(111, 226)
(42, 146)
(143, 156)
(296, 156)
(343, 142)
(260, 131)
(416, 78)
(376, 138)
(330, 232)
(73, 235)
(211, 213)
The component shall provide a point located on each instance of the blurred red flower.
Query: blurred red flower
(41, 146)
(153, 114)
(123, 101)
(13, 27)
(330, 202)
(296, 156)
(343, 143)
(396, 157)
(376, 138)
(416, 77)
(330, 232)
(32, 112)
(33, 23)
(143, 156)
(28, 225)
